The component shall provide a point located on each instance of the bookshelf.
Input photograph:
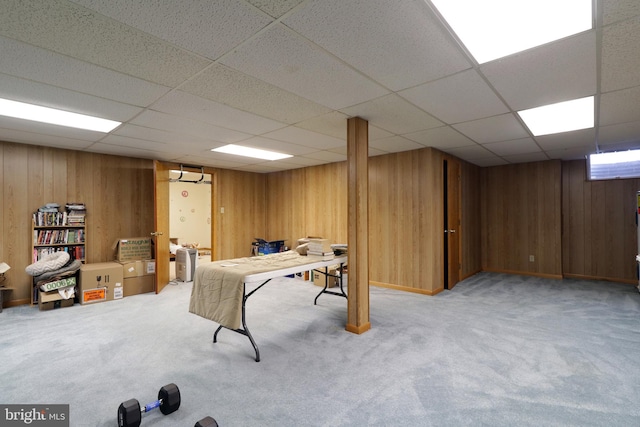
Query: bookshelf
(57, 231)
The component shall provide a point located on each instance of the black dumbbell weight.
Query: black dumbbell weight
(130, 413)
(207, 422)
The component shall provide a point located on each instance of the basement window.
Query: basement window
(615, 165)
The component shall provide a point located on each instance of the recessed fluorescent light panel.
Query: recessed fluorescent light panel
(616, 165)
(561, 117)
(251, 152)
(37, 113)
(492, 29)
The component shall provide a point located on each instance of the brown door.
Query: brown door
(161, 223)
(452, 192)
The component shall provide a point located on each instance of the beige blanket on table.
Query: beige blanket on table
(218, 287)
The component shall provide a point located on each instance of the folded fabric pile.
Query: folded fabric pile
(54, 272)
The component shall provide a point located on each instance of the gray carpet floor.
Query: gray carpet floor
(497, 350)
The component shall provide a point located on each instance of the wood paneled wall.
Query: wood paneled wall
(117, 191)
(599, 225)
(406, 220)
(520, 216)
(470, 239)
(242, 195)
(405, 215)
(307, 202)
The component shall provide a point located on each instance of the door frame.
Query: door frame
(452, 214)
(161, 206)
(161, 223)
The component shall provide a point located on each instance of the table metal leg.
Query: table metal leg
(244, 330)
(326, 283)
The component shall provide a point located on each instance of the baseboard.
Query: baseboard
(606, 279)
(17, 302)
(406, 288)
(524, 273)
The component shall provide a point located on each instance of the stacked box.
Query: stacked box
(100, 282)
(52, 300)
(139, 276)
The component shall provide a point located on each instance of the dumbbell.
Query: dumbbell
(130, 413)
(207, 422)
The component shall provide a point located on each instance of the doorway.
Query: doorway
(163, 176)
(451, 213)
(189, 215)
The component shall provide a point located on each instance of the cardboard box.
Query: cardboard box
(100, 282)
(132, 269)
(138, 268)
(51, 300)
(149, 266)
(139, 285)
(132, 249)
(319, 278)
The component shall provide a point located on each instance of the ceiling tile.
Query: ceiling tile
(442, 137)
(620, 106)
(275, 8)
(164, 137)
(578, 138)
(22, 90)
(40, 65)
(296, 135)
(131, 151)
(395, 144)
(30, 136)
(328, 156)
(332, 124)
(377, 133)
(247, 93)
(284, 59)
(459, 98)
(194, 107)
(471, 153)
(574, 153)
(618, 10)
(623, 133)
(620, 59)
(186, 126)
(512, 148)
(526, 158)
(393, 114)
(397, 46)
(70, 29)
(277, 146)
(554, 72)
(493, 129)
(209, 28)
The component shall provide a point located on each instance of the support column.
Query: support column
(358, 224)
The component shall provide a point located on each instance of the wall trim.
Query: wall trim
(524, 273)
(406, 288)
(606, 279)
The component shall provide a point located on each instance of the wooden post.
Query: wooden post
(358, 225)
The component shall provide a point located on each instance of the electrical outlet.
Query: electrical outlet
(532, 258)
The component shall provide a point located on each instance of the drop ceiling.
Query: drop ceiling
(188, 76)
